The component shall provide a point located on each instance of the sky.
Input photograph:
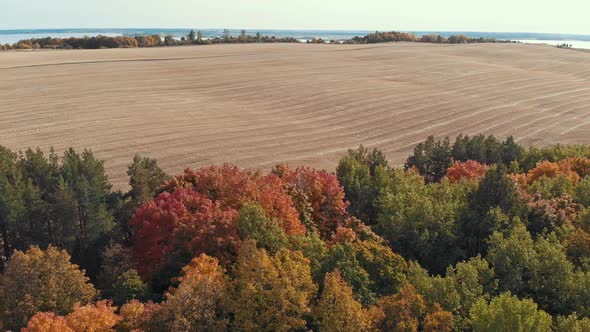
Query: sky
(549, 16)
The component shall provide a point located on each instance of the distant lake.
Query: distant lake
(574, 43)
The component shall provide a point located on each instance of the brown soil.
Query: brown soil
(257, 105)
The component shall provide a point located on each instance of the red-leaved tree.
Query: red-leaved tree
(232, 187)
(182, 224)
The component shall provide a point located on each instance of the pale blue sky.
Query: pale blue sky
(559, 16)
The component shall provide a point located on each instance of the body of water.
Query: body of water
(13, 36)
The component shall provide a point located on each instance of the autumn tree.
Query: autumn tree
(438, 320)
(551, 170)
(173, 228)
(507, 313)
(138, 316)
(132, 316)
(270, 293)
(469, 170)
(41, 281)
(403, 311)
(233, 187)
(93, 317)
(408, 311)
(337, 309)
(99, 317)
(196, 305)
(547, 215)
(47, 322)
(321, 193)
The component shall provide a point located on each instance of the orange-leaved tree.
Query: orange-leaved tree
(317, 194)
(99, 317)
(47, 322)
(552, 170)
(93, 317)
(469, 170)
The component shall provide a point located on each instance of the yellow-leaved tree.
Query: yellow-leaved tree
(270, 293)
(337, 310)
(196, 305)
(41, 281)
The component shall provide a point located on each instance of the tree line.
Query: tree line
(396, 36)
(196, 38)
(193, 38)
(478, 234)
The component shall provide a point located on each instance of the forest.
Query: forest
(476, 233)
